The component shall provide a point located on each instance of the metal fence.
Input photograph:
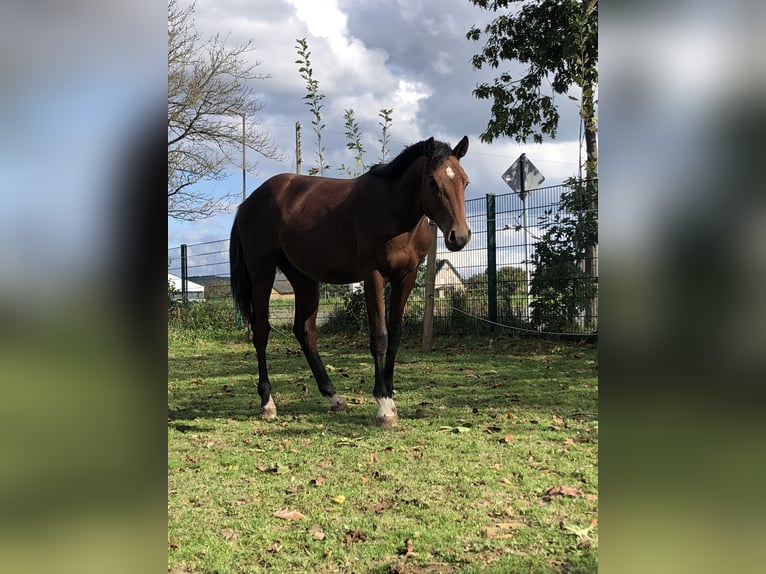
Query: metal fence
(485, 287)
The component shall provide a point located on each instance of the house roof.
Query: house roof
(442, 263)
(282, 285)
(211, 280)
(192, 287)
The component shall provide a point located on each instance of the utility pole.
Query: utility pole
(244, 161)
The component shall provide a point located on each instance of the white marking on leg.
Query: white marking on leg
(450, 172)
(387, 415)
(337, 403)
(269, 410)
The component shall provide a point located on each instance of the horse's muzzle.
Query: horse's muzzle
(456, 241)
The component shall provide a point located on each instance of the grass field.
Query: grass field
(493, 467)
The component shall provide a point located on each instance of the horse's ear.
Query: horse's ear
(461, 148)
(429, 147)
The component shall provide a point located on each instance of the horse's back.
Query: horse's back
(310, 220)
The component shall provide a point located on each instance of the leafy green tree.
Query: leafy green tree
(313, 99)
(562, 288)
(557, 44)
(557, 41)
(353, 143)
(385, 125)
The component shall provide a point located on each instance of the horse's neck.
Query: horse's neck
(409, 204)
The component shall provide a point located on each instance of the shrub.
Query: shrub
(215, 316)
(351, 315)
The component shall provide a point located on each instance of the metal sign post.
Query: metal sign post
(522, 177)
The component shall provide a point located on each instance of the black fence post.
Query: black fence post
(184, 276)
(491, 262)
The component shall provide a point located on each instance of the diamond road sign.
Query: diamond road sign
(532, 176)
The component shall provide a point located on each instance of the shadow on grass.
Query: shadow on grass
(463, 380)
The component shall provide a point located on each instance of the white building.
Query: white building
(195, 291)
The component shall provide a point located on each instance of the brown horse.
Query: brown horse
(373, 228)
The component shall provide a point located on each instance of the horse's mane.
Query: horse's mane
(402, 162)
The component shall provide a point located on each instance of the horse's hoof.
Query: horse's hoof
(387, 422)
(269, 410)
(387, 416)
(338, 404)
(268, 413)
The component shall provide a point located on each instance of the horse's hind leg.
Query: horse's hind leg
(305, 330)
(262, 283)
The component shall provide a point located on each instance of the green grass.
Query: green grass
(486, 427)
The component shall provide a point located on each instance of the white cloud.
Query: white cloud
(442, 64)
(407, 99)
(409, 57)
(323, 18)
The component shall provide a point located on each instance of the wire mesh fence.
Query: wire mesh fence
(522, 271)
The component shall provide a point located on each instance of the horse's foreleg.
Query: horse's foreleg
(400, 292)
(373, 295)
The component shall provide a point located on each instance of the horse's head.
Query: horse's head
(443, 193)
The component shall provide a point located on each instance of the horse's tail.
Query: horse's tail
(241, 285)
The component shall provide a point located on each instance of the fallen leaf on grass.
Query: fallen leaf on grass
(490, 532)
(570, 442)
(567, 491)
(458, 429)
(228, 534)
(317, 533)
(409, 548)
(381, 505)
(353, 536)
(340, 499)
(504, 480)
(347, 441)
(373, 457)
(509, 438)
(364, 479)
(510, 525)
(289, 514)
(318, 481)
(244, 501)
(580, 532)
(274, 548)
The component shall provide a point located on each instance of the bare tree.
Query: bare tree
(209, 92)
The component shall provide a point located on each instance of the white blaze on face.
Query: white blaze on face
(450, 172)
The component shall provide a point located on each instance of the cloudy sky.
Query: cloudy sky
(409, 56)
